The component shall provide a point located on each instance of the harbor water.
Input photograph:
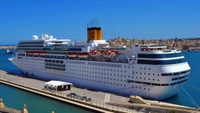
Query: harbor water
(188, 95)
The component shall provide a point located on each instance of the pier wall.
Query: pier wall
(98, 106)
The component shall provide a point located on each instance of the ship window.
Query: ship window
(159, 55)
(176, 74)
(133, 72)
(167, 74)
(161, 62)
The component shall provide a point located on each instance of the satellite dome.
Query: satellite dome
(51, 37)
(46, 36)
(35, 37)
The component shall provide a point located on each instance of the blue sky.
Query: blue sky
(141, 19)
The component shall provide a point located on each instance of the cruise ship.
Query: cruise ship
(150, 71)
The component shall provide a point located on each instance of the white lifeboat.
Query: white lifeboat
(83, 55)
(71, 54)
(35, 53)
(42, 53)
(94, 53)
(29, 53)
(109, 53)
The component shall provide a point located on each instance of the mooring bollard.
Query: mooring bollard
(24, 110)
(1, 103)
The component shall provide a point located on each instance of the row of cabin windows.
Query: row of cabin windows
(146, 78)
(54, 61)
(171, 55)
(59, 65)
(155, 84)
(55, 68)
(96, 72)
(36, 59)
(140, 88)
(140, 67)
(161, 62)
(173, 74)
(96, 68)
(48, 56)
(92, 76)
(177, 78)
(144, 73)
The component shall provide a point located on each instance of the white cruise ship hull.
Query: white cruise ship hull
(119, 78)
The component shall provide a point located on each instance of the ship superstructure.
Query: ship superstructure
(150, 71)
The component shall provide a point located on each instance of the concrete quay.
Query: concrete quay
(36, 86)
(101, 101)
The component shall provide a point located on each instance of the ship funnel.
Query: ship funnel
(94, 33)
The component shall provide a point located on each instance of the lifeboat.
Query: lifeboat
(34, 53)
(109, 53)
(95, 53)
(41, 53)
(83, 55)
(29, 53)
(71, 54)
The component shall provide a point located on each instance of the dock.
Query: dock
(101, 101)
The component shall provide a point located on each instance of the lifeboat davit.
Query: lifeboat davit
(83, 55)
(71, 54)
(109, 53)
(95, 53)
